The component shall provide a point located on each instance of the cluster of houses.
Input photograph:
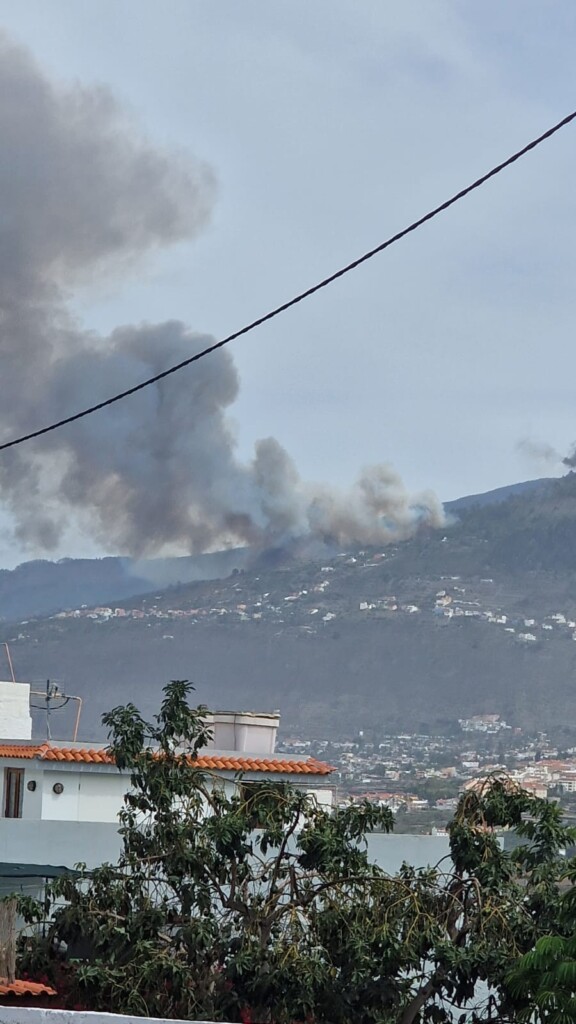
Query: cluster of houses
(545, 778)
(551, 778)
(489, 724)
(224, 602)
(398, 771)
(312, 596)
(452, 605)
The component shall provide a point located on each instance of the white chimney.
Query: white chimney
(15, 718)
(244, 732)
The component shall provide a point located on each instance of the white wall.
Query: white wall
(87, 796)
(323, 797)
(62, 806)
(101, 796)
(15, 720)
(90, 795)
(243, 732)
(52, 842)
(30, 1015)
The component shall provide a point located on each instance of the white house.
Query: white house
(60, 800)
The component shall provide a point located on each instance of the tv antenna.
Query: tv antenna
(54, 700)
(52, 696)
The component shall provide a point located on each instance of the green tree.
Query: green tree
(259, 902)
(543, 981)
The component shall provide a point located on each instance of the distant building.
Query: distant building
(483, 723)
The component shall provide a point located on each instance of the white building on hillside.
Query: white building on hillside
(60, 800)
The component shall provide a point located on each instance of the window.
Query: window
(13, 792)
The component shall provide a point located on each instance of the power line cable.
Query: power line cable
(272, 314)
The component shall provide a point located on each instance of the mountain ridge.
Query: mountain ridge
(477, 618)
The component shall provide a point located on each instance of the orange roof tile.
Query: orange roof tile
(90, 756)
(25, 988)
(207, 762)
(20, 750)
(263, 764)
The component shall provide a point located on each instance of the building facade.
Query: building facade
(60, 800)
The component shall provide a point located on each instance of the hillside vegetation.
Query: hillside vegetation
(363, 640)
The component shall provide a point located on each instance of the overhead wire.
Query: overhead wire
(300, 297)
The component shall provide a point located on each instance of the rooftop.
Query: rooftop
(222, 760)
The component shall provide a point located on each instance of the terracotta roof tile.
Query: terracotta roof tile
(80, 755)
(20, 750)
(25, 988)
(206, 762)
(264, 764)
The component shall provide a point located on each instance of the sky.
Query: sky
(328, 127)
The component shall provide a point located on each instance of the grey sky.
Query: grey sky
(329, 125)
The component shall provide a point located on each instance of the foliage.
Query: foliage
(543, 981)
(253, 902)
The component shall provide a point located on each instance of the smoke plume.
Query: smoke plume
(83, 195)
(570, 459)
(542, 452)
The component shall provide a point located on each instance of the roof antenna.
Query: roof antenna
(9, 659)
(51, 692)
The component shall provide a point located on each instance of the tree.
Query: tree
(259, 904)
(543, 981)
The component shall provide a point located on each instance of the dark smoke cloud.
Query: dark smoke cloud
(570, 459)
(82, 195)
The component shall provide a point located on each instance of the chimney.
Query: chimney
(244, 732)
